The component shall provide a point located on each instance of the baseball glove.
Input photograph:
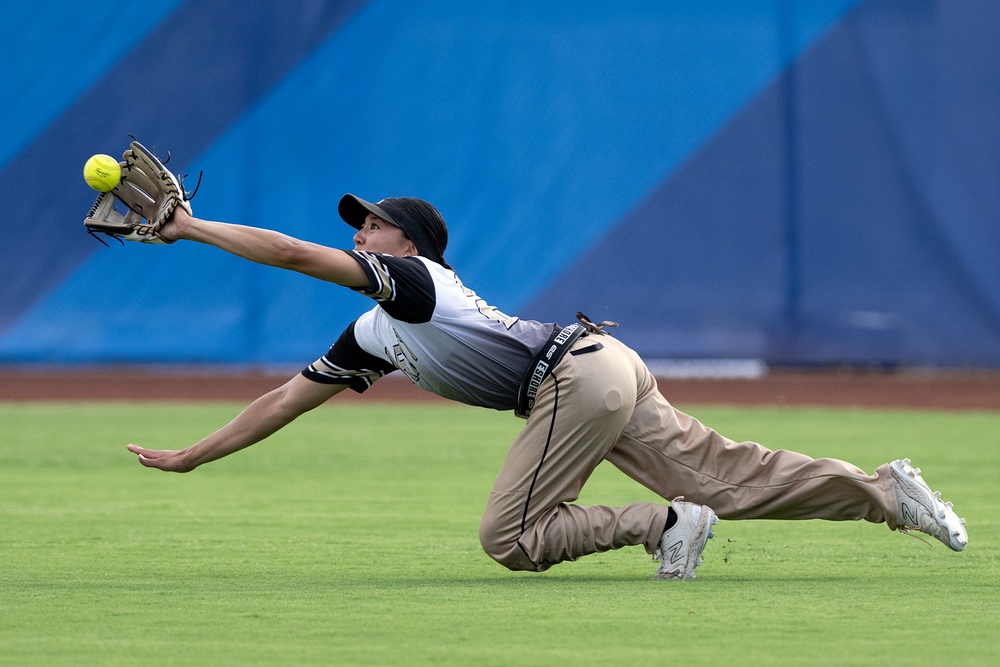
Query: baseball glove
(150, 193)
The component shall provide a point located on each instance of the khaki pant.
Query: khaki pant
(604, 404)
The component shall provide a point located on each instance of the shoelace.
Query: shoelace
(906, 531)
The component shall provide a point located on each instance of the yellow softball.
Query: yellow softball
(102, 172)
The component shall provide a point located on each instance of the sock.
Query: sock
(671, 519)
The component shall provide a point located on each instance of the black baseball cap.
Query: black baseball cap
(419, 220)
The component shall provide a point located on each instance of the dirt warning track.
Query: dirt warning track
(965, 390)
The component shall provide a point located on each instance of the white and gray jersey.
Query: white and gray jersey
(443, 336)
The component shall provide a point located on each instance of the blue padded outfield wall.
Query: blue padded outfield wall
(797, 181)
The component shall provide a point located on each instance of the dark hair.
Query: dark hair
(419, 220)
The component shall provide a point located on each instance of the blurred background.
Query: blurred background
(763, 182)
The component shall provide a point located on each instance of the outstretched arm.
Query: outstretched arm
(265, 416)
(265, 246)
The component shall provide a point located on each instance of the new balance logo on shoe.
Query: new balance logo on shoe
(908, 515)
(676, 551)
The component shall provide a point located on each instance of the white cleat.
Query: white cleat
(681, 546)
(923, 510)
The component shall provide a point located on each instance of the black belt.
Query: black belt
(555, 347)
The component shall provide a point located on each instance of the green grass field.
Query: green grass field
(351, 538)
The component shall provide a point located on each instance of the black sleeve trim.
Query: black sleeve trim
(402, 286)
(346, 363)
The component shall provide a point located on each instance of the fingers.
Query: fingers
(149, 463)
(146, 456)
(157, 458)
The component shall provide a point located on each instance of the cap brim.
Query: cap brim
(354, 210)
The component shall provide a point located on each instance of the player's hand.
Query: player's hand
(170, 460)
(173, 229)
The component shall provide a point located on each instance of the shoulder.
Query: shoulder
(383, 269)
(405, 287)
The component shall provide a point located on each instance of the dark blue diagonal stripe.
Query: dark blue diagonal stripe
(178, 89)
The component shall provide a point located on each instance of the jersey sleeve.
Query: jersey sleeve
(402, 286)
(346, 363)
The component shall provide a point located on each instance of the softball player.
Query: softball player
(585, 397)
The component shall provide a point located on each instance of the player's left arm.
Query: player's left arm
(260, 419)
